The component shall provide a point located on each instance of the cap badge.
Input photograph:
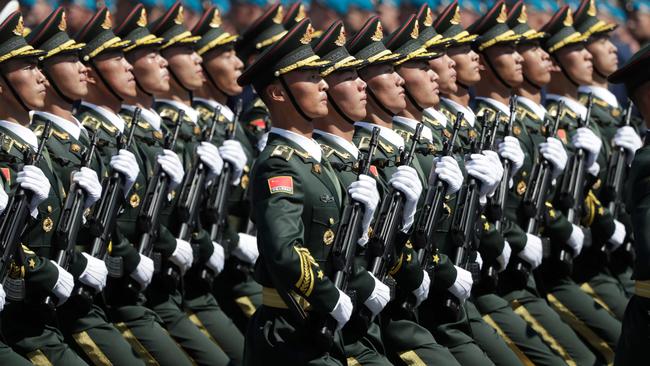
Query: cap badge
(568, 21)
(309, 34)
(180, 18)
(456, 18)
(277, 19)
(107, 23)
(416, 30)
(523, 16)
(592, 8)
(142, 21)
(428, 20)
(216, 19)
(301, 13)
(379, 33)
(503, 16)
(63, 24)
(340, 40)
(20, 27)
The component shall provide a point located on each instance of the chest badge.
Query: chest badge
(325, 198)
(134, 200)
(48, 224)
(516, 130)
(521, 188)
(158, 135)
(316, 168)
(616, 112)
(75, 148)
(328, 237)
(244, 181)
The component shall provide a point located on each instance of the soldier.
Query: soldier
(28, 325)
(152, 78)
(297, 205)
(187, 76)
(235, 288)
(634, 336)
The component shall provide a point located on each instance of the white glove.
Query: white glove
(462, 287)
(511, 150)
(209, 155)
(486, 172)
(232, 152)
(64, 284)
(628, 139)
(422, 292)
(217, 259)
(533, 251)
(183, 256)
(576, 240)
(618, 236)
(553, 151)
(171, 164)
(143, 273)
(504, 258)
(342, 310)
(4, 199)
(2, 297)
(87, 179)
(94, 275)
(246, 250)
(126, 164)
(31, 178)
(379, 297)
(406, 180)
(261, 143)
(586, 139)
(594, 169)
(365, 192)
(479, 260)
(447, 170)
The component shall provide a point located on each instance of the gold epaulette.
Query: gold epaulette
(8, 143)
(283, 152)
(430, 120)
(364, 143)
(552, 110)
(404, 134)
(525, 113)
(91, 122)
(259, 103)
(38, 131)
(168, 113)
(447, 113)
(386, 147)
(126, 118)
(328, 151)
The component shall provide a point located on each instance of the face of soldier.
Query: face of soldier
(387, 86)
(117, 71)
(27, 80)
(421, 82)
(506, 61)
(445, 67)
(224, 68)
(309, 89)
(604, 55)
(185, 63)
(349, 92)
(150, 68)
(69, 75)
(467, 64)
(577, 62)
(537, 63)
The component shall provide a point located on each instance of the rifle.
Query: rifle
(15, 219)
(69, 225)
(499, 199)
(345, 243)
(103, 221)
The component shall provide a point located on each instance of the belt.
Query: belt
(642, 288)
(271, 298)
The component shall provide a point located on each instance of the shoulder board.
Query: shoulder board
(432, 121)
(447, 114)
(109, 128)
(404, 134)
(525, 113)
(583, 98)
(327, 150)
(386, 147)
(91, 122)
(38, 130)
(168, 113)
(8, 143)
(364, 143)
(204, 113)
(63, 136)
(601, 103)
(259, 103)
(570, 113)
(127, 118)
(283, 152)
(144, 125)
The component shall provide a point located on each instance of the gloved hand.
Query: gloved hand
(246, 250)
(143, 273)
(553, 151)
(217, 259)
(379, 297)
(209, 155)
(64, 284)
(511, 150)
(183, 256)
(486, 172)
(406, 180)
(261, 143)
(171, 164)
(365, 192)
(462, 287)
(628, 139)
(232, 152)
(126, 164)
(533, 251)
(32, 179)
(342, 310)
(479, 260)
(4, 200)
(448, 171)
(594, 169)
(94, 275)
(617, 238)
(576, 240)
(87, 179)
(586, 139)
(3, 295)
(504, 258)
(422, 292)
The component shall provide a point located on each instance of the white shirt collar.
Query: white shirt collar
(21, 131)
(385, 132)
(495, 103)
(72, 127)
(225, 111)
(538, 109)
(109, 115)
(311, 147)
(190, 112)
(437, 115)
(468, 114)
(601, 93)
(573, 104)
(426, 131)
(148, 114)
(340, 141)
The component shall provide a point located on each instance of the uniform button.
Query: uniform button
(331, 220)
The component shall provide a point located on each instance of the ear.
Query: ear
(554, 66)
(275, 92)
(91, 77)
(481, 62)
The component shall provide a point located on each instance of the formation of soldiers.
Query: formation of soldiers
(438, 195)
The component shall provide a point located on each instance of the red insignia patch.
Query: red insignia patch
(259, 123)
(561, 134)
(373, 170)
(6, 174)
(283, 184)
